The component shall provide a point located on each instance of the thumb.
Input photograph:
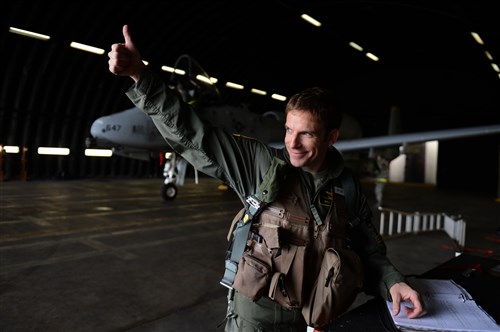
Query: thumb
(128, 39)
(395, 306)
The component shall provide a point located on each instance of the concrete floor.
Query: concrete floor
(111, 255)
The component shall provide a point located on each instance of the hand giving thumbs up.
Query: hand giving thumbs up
(125, 59)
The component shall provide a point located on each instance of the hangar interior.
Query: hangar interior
(422, 56)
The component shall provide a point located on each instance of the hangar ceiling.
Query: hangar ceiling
(429, 64)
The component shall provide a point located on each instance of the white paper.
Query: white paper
(449, 308)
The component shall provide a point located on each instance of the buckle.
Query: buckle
(254, 205)
(254, 202)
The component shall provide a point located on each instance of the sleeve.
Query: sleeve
(380, 273)
(227, 157)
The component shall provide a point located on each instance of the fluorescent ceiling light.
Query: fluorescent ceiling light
(204, 79)
(495, 67)
(355, 46)
(372, 56)
(278, 97)
(258, 92)
(173, 70)
(477, 38)
(53, 151)
(87, 48)
(488, 55)
(234, 86)
(9, 149)
(27, 33)
(310, 20)
(98, 152)
(209, 80)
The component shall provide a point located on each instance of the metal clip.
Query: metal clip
(254, 204)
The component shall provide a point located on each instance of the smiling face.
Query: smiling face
(306, 140)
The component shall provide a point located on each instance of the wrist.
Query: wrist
(136, 76)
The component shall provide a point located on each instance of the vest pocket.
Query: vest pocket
(338, 282)
(293, 228)
(253, 277)
(287, 283)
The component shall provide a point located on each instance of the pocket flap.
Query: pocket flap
(271, 235)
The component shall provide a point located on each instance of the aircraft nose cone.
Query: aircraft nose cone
(97, 128)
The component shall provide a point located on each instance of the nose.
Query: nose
(293, 141)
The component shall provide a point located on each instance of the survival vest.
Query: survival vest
(289, 253)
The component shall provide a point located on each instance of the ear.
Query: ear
(333, 136)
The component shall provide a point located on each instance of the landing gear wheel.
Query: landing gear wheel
(169, 191)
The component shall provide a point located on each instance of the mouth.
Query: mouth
(297, 154)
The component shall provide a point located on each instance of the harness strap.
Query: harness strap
(268, 190)
(349, 187)
(240, 236)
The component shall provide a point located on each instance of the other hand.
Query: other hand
(403, 292)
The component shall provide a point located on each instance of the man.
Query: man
(312, 127)
(382, 176)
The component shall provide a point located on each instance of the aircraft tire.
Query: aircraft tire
(169, 191)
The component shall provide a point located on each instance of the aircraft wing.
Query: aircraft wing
(401, 139)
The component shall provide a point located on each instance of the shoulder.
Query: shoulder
(335, 162)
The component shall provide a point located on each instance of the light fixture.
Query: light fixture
(488, 55)
(310, 20)
(173, 70)
(372, 56)
(234, 86)
(278, 97)
(27, 33)
(53, 151)
(98, 152)
(203, 78)
(258, 92)
(477, 38)
(9, 149)
(86, 48)
(356, 46)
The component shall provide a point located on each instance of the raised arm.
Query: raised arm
(210, 150)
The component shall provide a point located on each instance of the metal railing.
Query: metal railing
(394, 222)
